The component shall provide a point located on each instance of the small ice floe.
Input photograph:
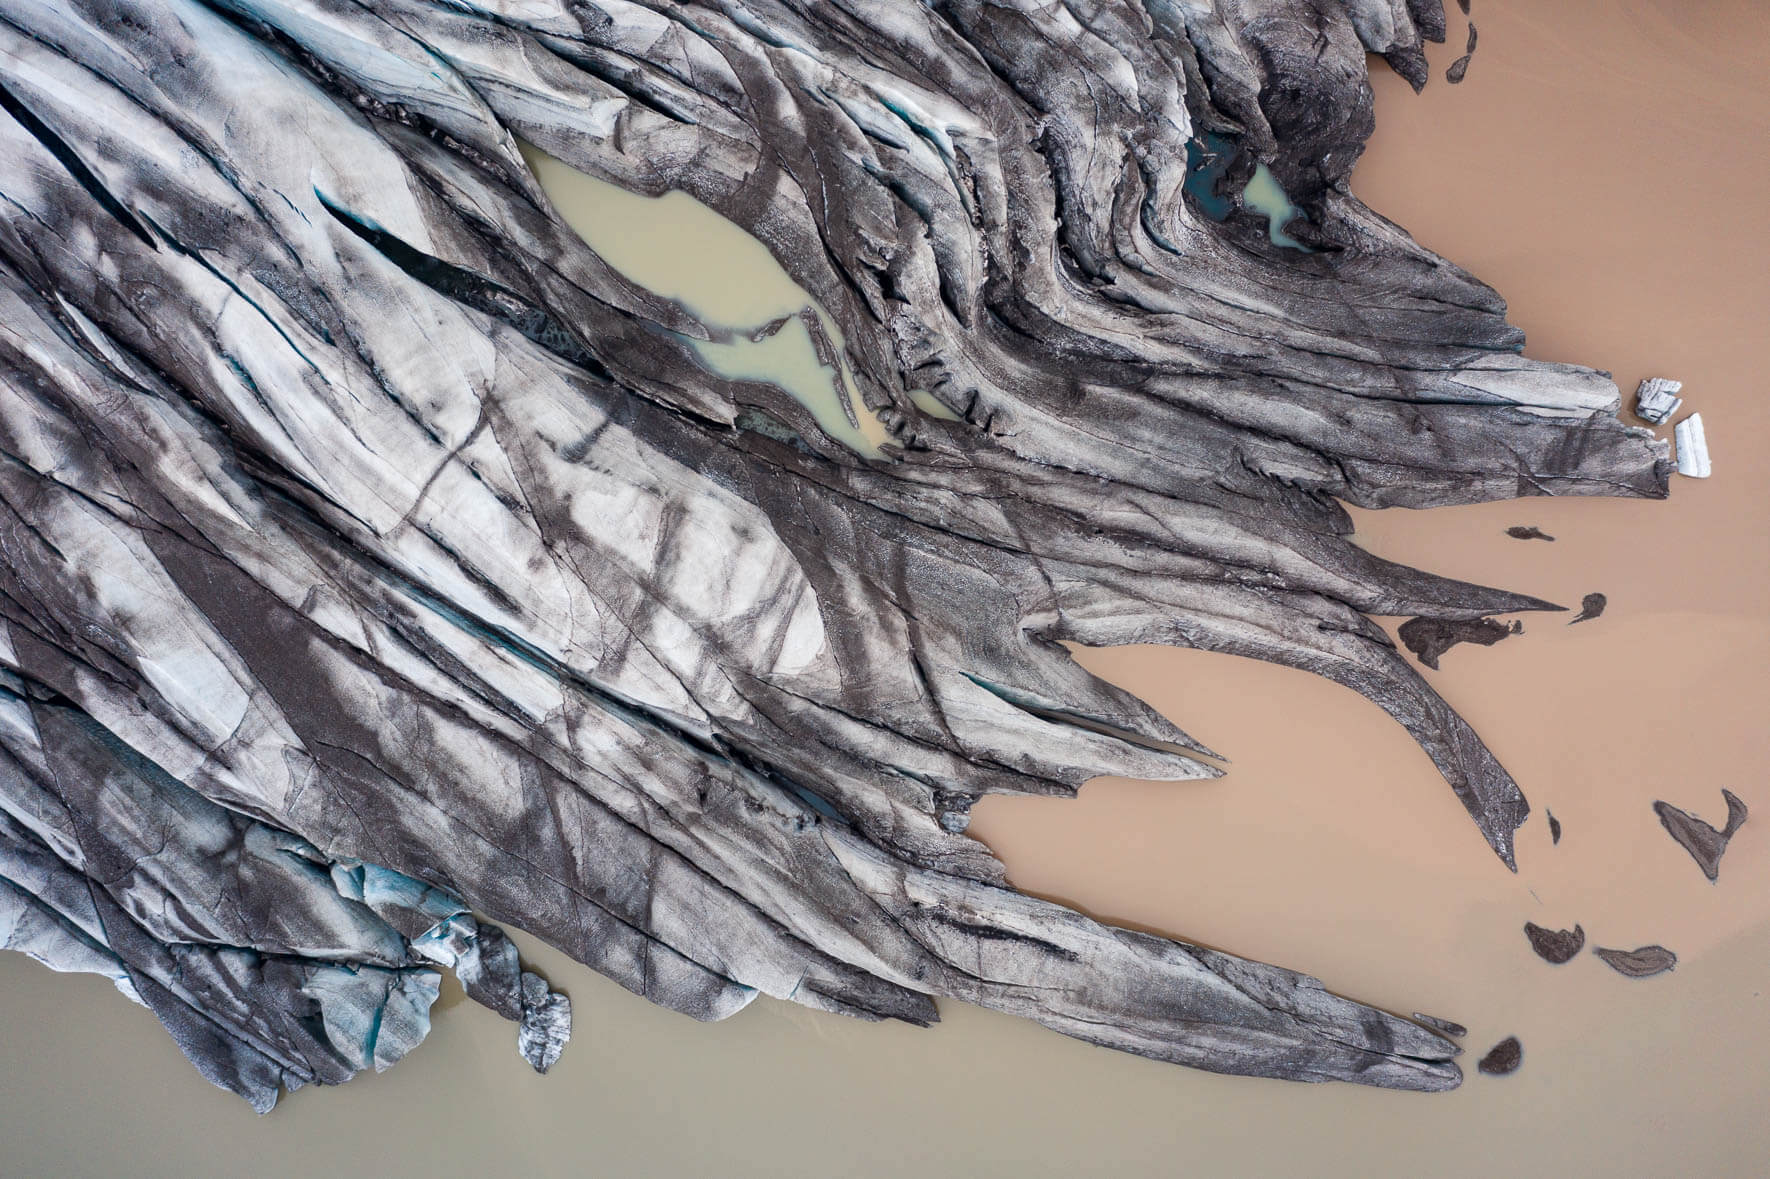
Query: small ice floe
(1700, 839)
(1657, 400)
(1428, 638)
(1555, 946)
(1443, 1026)
(1693, 447)
(1503, 1058)
(1642, 963)
(1590, 607)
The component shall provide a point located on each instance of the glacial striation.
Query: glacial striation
(379, 562)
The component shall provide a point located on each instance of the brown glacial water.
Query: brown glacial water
(1602, 166)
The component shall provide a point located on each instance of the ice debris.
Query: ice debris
(1657, 400)
(1693, 447)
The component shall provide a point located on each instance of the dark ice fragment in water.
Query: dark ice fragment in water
(1440, 1025)
(1428, 638)
(1460, 67)
(1503, 1058)
(1703, 842)
(1527, 532)
(1642, 963)
(1555, 946)
(1590, 606)
(770, 328)
(1554, 829)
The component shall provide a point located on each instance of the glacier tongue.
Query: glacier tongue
(378, 556)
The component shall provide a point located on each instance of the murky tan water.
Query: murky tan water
(1602, 166)
(677, 247)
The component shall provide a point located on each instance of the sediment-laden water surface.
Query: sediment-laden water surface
(1607, 212)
